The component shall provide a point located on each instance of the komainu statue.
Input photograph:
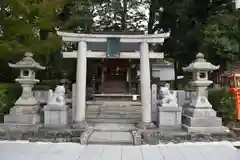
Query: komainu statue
(58, 97)
(168, 98)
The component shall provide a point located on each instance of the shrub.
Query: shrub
(9, 92)
(223, 102)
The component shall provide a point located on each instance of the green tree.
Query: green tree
(29, 23)
(119, 15)
(220, 38)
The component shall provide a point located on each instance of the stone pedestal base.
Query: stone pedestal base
(201, 120)
(11, 127)
(80, 125)
(143, 125)
(23, 114)
(220, 129)
(170, 117)
(22, 119)
(55, 116)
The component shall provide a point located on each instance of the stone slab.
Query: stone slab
(114, 127)
(111, 136)
(112, 152)
(55, 116)
(102, 120)
(195, 112)
(170, 116)
(123, 138)
(6, 127)
(115, 116)
(25, 109)
(137, 138)
(217, 129)
(170, 109)
(202, 121)
(98, 136)
(130, 153)
(22, 119)
(72, 151)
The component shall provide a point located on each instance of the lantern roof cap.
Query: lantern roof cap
(27, 63)
(200, 64)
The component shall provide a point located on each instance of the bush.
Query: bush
(9, 92)
(223, 102)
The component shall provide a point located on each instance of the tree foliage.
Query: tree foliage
(28, 23)
(208, 26)
(220, 38)
(121, 15)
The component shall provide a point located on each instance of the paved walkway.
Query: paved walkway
(71, 151)
(112, 133)
(111, 138)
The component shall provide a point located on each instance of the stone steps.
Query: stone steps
(120, 120)
(120, 109)
(114, 116)
(130, 110)
(114, 127)
(114, 112)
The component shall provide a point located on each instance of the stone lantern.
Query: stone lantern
(26, 107)
(198, 115)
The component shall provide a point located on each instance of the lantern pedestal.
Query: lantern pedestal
(198, 116)
(201, 120)
(26, 107)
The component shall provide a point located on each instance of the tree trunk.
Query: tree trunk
(124, 15)
(152, 15)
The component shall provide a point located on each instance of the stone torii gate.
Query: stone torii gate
(82, 54)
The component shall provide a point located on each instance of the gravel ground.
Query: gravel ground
(147, 137)
(180, 137)
(43, 135)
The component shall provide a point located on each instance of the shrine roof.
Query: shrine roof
(200, 64)
(27, 62)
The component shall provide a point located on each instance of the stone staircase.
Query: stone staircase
(114, 112)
